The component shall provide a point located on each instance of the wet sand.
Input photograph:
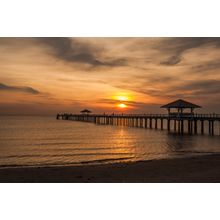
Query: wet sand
(185, 170)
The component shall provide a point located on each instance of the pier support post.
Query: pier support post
(210, 127)
(150, 122)
(168, 124)
(182, 126)
(195, 126)
(174, 125)
(136, 122)
(132, 121)
(146, 122)
(161, 124)
(141, 122)
(202, 127)
(190, 125)
(179, 125)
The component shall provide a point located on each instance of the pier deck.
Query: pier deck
(180, 123)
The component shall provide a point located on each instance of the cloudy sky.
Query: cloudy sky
(50, 75)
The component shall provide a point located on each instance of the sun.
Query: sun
(122, 100)
(122, 105)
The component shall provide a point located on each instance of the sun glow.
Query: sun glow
(123, 97)
(122, 105)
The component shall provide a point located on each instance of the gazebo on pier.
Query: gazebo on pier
(180, 106)
(86, 112)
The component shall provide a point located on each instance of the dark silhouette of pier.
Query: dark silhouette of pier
(181, 121)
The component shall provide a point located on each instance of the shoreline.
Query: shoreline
(97, 163)
(193, 169)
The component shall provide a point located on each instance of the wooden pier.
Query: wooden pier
(179, 122)
(185, 124)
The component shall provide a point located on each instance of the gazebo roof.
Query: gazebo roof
(85, 111)
(180, 104)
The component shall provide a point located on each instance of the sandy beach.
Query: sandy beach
(184, 170)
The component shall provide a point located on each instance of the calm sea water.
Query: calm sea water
(44, 141)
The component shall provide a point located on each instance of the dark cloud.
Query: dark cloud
(73, 50)
(82, 80)
(145, 84)
(111, 101)
(139, 81)
(24, 89)
(173, 60)
(201, 87)
(213, 65)
(192, 89)
(175, 47)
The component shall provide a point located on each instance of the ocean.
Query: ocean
(44, 141)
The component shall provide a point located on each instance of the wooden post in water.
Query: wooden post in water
(168, 124)
(188, 126)
(155, 123)
(161, 124)
(146, 122)
(212, 129)
(174, 125)
(202, 127)
(182, 126)
(195, 126)
(141, 123)
(178, 121)
(136, 121)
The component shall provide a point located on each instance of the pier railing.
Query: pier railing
(192, 116)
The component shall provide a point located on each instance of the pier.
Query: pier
(179, 122)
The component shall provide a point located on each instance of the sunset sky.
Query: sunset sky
(50, 75)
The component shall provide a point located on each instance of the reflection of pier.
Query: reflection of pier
(180, 121)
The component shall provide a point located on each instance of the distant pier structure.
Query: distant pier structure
(180, 118)
(86, 112)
